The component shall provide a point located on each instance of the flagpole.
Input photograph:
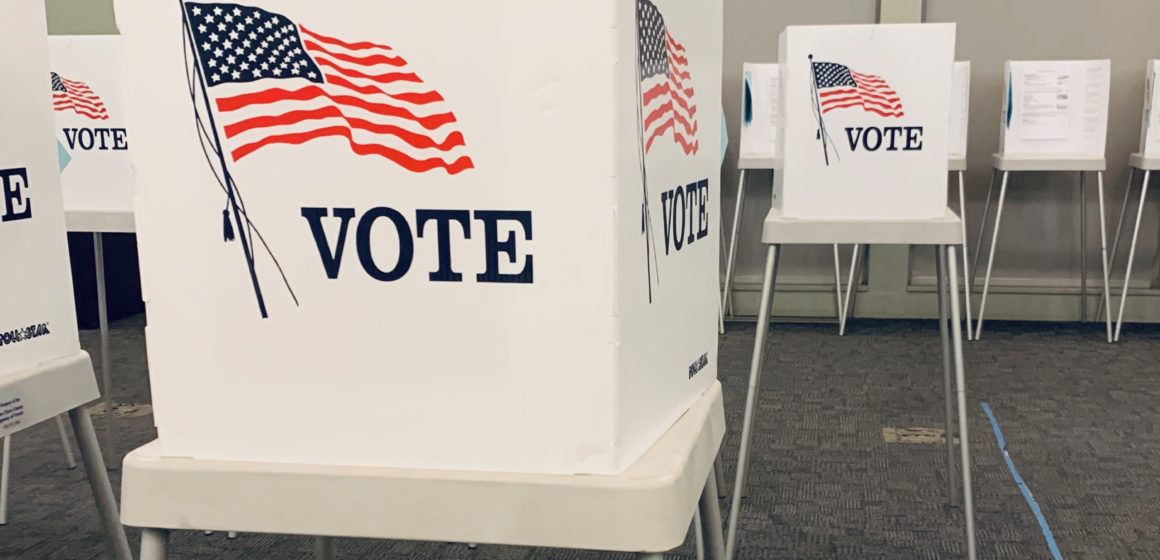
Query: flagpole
(822, 134)
(646, 222)
(228, 179)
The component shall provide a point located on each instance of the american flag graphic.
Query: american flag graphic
(840, 87)
(275, 82)
(667, 103)
(71, 95)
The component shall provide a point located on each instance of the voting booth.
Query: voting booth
(363, 243)
(1056, 108)
(865, 127)
(37, 321)
(92, 140)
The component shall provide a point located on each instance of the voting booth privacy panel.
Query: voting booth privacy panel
(91, 137)
(865, 128)
(483, 242)
(760, 111)
(960, 109)
(37, 320)
(1055, 107)
(1150, 124)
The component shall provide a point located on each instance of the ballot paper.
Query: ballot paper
(1056, 108)
(760, 91)
(1045, 104)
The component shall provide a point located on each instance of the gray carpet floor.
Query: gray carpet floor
(1081, 419)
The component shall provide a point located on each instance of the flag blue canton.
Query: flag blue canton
(829, 74)
(238, 44)
(653, 36)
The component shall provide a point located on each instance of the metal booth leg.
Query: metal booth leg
(63, 433)
(961, 383)
(943, 328)
(153, 543)
(90, 450)
(966, 275)
(710, 516)
(106, 369)
(851, 288)
(1132, 252)
(324, 548)
(5, 464)
(720, 474)
(768, 285)
(727, 292)
(1083, 316)
(839, 307)
(1107, 291)
(990, 258)
(1119, 228)
(982, 230)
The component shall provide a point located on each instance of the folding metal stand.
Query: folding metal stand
(946, 234)
(1147, 165)
(744, 165)
(1006, 165)
(44, 392)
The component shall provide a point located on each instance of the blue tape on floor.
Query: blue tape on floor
(1022, 485)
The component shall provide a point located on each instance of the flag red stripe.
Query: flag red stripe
(685, 145)
(874, 102)
(100, 108)
(89, 98)
(867, 77)
(368, 60)
(660, 130)
(403, 160)
(690, 109)
(853, 91)
(657, 114)
(690, 129)
(673, 42)
(655, 92)
(430, 122)
(414, 139)
(388, 78)
(359, 46)
(74, 104)
(418, 98)
(865, 108)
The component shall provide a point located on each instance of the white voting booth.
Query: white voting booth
(865, 141)
(365, 246)
(1054, 118)
(43, 371)
(93, 149)
(1146, 160)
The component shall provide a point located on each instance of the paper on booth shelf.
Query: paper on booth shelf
(760, 90)
(960, 110)
(37, 317)
(866, 121)
(1057, 108)
(426, 256)
(90, 123)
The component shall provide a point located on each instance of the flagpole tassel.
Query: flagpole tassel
(227, 226)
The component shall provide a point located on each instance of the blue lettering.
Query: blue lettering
(493, 246)
(331, 259)
(443, 219)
